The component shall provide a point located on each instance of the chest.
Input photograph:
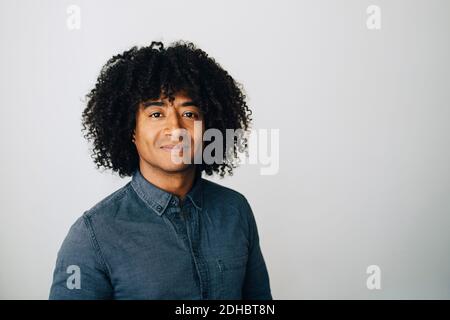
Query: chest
(190, 256)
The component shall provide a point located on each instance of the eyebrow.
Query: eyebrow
(161, 104)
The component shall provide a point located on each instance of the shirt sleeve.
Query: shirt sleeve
(80, 272)
(256, 283)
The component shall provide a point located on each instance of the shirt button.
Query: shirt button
(159, 208)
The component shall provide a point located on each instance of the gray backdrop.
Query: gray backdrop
(363, 115)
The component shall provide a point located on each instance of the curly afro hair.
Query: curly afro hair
(140, 74)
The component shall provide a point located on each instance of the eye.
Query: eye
(155, 115)
(190, 114)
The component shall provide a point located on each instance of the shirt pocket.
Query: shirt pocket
(231, 276)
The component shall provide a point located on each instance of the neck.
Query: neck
(178, 183)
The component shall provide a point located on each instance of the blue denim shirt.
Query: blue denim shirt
(140, 242)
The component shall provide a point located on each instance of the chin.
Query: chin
(172, 168)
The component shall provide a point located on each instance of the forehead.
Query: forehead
(180, 96)
(181, 99)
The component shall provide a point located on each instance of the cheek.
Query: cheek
(196, 136)
(145, 136)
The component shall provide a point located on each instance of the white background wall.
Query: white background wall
(364, 136)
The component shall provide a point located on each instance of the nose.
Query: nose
(173, 123)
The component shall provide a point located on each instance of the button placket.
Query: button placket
(194, 239)
(179, 225)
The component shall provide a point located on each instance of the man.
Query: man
(168, 233)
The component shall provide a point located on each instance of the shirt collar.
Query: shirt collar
(158, 200)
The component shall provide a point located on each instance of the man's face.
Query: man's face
(157, 133)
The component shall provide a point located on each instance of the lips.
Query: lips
(170, 147)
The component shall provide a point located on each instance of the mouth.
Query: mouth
(174, 147)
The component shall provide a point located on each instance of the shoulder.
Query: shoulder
(108, 206)
(225, 201)
(228, 206)
(79, 246)
(78, 235)
(81, 239)
(216, 192)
